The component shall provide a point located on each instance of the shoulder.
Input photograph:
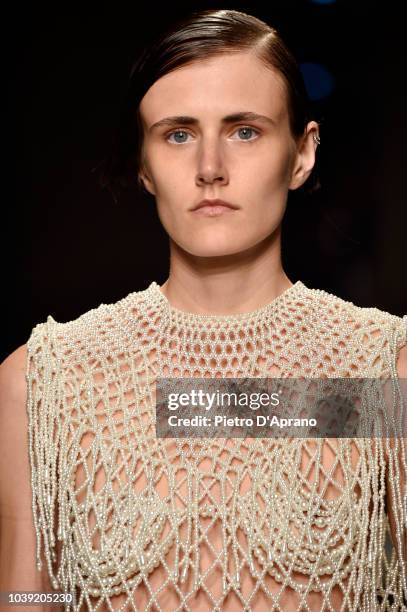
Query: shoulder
(374, 337)
(103, 332)
(333, 310)
(12, 375)
(48, 342)
(13, 394)
(13, 426)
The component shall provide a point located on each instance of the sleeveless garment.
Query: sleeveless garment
(128, 521)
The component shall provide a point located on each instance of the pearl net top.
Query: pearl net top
(128, 521)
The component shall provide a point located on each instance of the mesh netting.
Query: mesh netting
(129, 521)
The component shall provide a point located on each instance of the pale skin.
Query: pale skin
(231, 263)
(223, 265)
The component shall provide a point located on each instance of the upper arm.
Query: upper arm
(18, 569)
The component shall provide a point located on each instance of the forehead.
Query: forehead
(215, 86)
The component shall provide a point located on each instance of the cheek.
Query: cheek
(268, 168)
(171, 192)
(264, 185)
(171, 176)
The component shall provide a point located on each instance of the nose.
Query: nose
(211, 163)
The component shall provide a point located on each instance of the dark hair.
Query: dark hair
(202, 35)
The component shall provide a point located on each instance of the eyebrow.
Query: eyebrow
(186, 120)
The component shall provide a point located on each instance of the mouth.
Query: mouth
(213, 208)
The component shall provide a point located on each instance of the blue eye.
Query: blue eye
(178, 132)
(247, 129)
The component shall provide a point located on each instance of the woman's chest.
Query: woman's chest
(280, 517)
(220, 514)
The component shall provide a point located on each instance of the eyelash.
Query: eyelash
(249, 127)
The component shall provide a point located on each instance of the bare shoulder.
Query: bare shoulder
(12, 376)
(13, 396)
(16, 357)
(14, 476)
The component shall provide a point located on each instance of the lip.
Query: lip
(213, 208)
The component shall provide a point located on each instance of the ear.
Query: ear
(145, 179)
(304, 156)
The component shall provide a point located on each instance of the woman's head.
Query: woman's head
(215, 71)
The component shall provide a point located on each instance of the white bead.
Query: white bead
(110, 360)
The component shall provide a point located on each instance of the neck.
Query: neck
(230, 284)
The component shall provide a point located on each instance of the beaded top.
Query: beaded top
(128, 521)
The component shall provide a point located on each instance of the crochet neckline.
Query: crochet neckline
(156, 294)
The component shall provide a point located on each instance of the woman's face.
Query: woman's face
(249, 162)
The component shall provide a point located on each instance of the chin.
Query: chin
(215, 249)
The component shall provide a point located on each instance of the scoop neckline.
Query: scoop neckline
(155, 290)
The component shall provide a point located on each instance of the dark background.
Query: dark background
(67, 247)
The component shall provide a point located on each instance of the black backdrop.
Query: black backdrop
(67, 247)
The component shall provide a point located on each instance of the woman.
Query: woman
(217, 129)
